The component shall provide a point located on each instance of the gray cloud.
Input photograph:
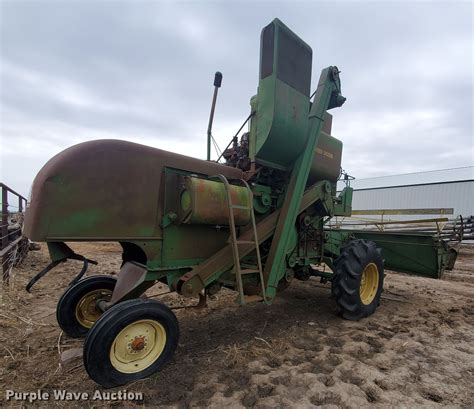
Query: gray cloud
(142, 71)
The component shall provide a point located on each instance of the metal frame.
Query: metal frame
(6, 245)
(328, 95)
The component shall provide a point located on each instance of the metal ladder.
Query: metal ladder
(242, 298)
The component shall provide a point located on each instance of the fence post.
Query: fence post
(9, 242)
(4, 217)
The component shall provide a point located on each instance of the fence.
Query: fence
(14, 246)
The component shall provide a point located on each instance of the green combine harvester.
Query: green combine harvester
(252, 224)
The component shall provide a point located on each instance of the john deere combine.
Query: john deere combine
(251, 224)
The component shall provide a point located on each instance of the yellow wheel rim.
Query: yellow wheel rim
(87, 312)
(369, 283)
(138, 346)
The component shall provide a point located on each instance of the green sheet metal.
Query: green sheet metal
(205, 202)
(282, 103)
(328, 95)
(420, 254)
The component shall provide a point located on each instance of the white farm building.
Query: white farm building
(447, 189)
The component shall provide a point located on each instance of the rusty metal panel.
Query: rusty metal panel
(107, 190)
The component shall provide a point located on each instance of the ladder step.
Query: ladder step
(252, 298)
(249, 271)
(240, 207)
(245, 242)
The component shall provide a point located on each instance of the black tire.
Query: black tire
(356, 301)
(69, 309)
(106, 333)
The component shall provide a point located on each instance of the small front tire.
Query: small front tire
(130, 341)
(77, 309)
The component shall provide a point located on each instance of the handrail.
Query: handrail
(3, 185)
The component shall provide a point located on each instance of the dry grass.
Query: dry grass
(238, 355)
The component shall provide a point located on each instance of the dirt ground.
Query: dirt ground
(417, 350)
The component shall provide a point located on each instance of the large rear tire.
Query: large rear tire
(132, 340)
(357, 284)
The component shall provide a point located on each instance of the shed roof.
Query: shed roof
(416, 178)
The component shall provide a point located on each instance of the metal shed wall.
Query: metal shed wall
(458, 195)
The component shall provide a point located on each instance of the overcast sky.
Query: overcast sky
(143, 71)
